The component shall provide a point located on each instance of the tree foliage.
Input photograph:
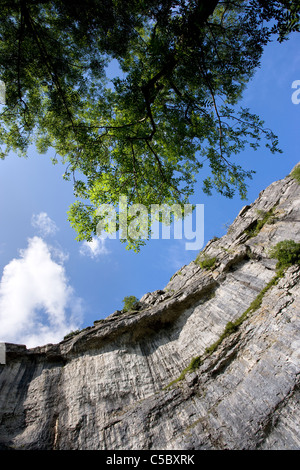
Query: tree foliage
(130, 303)
(171, 107)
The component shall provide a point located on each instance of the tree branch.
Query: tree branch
(20, 39)
(161, 168)
(48, 62)
(134, 171)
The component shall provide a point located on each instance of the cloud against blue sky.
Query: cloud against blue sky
(94, 248)
(37, 303)
(44, 224)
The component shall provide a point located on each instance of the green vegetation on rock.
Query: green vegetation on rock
(287, 253)
(130, 303)
(205, 262)
(264, 218)
(193, 365)
(296, 174)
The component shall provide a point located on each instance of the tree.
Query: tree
(174, 105)
(130, 303)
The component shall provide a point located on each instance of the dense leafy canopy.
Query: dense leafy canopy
(146, 133)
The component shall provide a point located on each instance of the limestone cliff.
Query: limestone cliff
(211, 361)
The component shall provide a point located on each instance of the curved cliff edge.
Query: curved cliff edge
(211, 361)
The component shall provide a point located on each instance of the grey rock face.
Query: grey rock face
(113, 385)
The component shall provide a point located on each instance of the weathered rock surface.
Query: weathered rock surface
(107, 387)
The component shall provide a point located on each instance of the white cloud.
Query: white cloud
(45, 225)
(37, 304)
(94, 248)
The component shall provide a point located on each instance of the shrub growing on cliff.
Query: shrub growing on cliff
(287, 253)
(205, 262)
(130, 303)
(296, 174)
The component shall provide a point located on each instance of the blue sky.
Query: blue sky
(51, 284)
